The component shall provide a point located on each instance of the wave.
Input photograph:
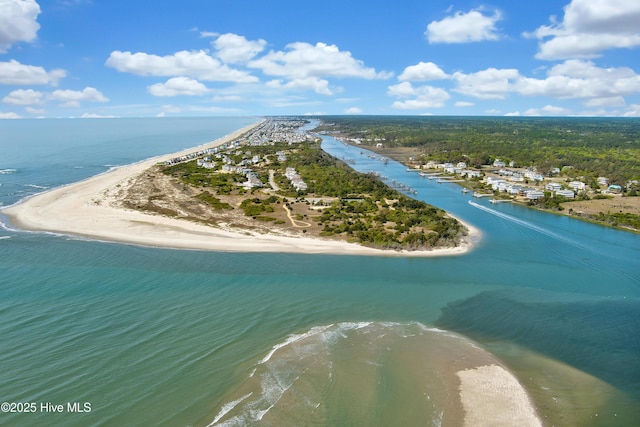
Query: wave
(7, 171)
(334, 374)
(5, 237)
(41, 187)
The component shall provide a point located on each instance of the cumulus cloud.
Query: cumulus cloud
(15, 73)
(178, 86)
(422, 71)
(24, 97)
(234, 49)
(548, 110)
(421, 97)
(492, 83)
(588, 28)
(320, 86)
(353, 110)
(464, 104)
(72, 98)
(582, 79)
(302, 60)
(472, 26)
(196, 64)
(17, 22)
(10, 115)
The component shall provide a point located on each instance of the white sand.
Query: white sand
(493, 397)
(87, 208)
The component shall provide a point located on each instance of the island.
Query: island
(268, 187)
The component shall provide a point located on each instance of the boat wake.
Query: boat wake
(528, 225)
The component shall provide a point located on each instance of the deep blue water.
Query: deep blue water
(155, 336)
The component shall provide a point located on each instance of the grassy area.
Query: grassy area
(359, 208)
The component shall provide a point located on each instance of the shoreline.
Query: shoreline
(86, 209)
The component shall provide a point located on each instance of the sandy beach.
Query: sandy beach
(491, 396)
(88, 209)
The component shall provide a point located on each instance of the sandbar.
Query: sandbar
(491, 396)
(89, 209)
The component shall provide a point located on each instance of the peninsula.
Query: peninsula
(264, 188)
(586, 168)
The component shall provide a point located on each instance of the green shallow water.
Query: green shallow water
(163, 337)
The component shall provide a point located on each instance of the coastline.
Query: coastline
(87, 208)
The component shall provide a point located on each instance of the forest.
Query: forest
(587, 147)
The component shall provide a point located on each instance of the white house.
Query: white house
(569, 194)
(553, 186)
(577, 185)
(534, 194)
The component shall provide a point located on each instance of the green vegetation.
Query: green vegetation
(214, 201)
(360, 208)
(587, 147)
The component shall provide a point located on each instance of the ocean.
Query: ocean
(151, 336)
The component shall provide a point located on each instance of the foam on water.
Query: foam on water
(367, 372)
(7, 171)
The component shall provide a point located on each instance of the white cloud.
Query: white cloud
(401, 90)
(353, 110)
(464, 104)
(32, 110)
(582, 79)
(177, 86)
(10, 115)
(491, 83)
(632, 111)
(590, 27)
(234, 49)
(422, 71)
(72, 98)
(303, 60)
(184, 63)
(96, 116)
(17, 22)
(462, 27)
(548, 110)
(15, 73)
(320, 86)
(421, 97)
(23, 97)
(613, 101)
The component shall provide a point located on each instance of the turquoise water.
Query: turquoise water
(164, 337)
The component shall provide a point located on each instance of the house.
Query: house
(553, 186)
(577, 185)
(615, 188)
(569, 194)
(499, 164)
(534, 194)
(470, 173)
(603, 181)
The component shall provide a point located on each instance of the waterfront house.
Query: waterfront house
(569, 194)
(534, 194)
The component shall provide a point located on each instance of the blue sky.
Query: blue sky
(115, 58)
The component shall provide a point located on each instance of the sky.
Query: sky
(127, 58)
